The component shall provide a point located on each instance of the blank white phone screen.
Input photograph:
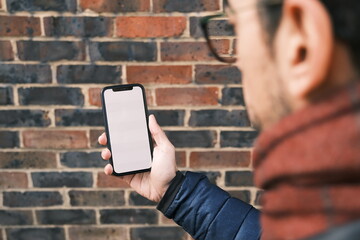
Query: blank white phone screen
(126, 119)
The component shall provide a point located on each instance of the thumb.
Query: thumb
(157, 133)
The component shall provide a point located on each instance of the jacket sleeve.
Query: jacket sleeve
(207, 212)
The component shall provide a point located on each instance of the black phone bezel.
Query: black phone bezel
(126, 87)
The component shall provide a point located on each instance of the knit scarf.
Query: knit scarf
(309, 166)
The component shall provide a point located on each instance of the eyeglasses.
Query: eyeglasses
(209, 24)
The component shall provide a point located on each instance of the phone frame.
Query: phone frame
(126, 87)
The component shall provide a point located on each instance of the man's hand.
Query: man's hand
(153, 184)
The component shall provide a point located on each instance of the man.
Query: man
(300, 61)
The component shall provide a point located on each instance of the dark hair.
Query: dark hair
(345, 17)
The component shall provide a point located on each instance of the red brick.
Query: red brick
(234, 47)
(218, 159)
(95, 97)
(19, 26)
(94, 135)
(6, 52)
(105, 181)
(159, 74)
(13, 180)
(187, 96)
(180, 159)
(149, 98)
(132, 27)
(54, 139)
(116, 5)
(191, 51)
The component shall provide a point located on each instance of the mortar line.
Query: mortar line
(127, 228)
(187, 117)
(66, 232)
(34, 217)
(52, 117)
(4, 234)
(97, 216)
(38, 208)
(14, 50)
(104, 14)
(116, 63)
(186, 32)
(65, 193)
(253, 196)
(154, 97)
(58, 160)
(114, 29)
(95, 180)
(158, 46)
(15, 95)
(85, 93)
(87, 43)
(4, 6)
(152, 7)
(124, 76)
(218, 139)
(78, 8)
(53, 69)
(42, 26)
(85, 128)
(113, 39)
(187, 158)
(148, 86)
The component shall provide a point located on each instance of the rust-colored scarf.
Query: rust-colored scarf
(309, 167)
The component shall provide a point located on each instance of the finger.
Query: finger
(106, 154)
(102, 139)
(156, 131)
(108, 169)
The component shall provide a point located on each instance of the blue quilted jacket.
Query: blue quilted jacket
(208, 213)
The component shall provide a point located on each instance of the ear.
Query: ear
(307, 46)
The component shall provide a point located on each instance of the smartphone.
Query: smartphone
(127, 129)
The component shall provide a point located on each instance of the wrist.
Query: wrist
(170, 194)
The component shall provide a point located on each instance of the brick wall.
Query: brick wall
(55, 57)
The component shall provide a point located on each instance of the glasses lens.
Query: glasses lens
(221, 38)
